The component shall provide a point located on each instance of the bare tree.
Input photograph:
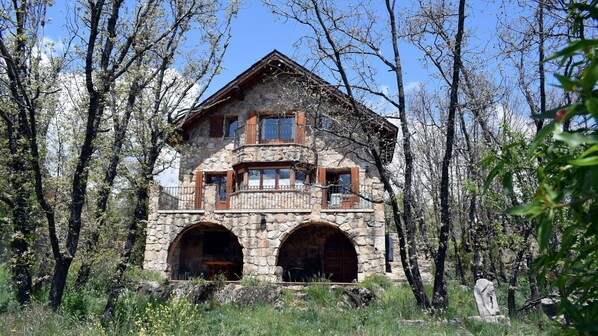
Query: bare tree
(345, 41)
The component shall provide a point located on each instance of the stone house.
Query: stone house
(268, 190)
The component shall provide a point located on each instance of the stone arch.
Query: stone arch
(318, 250)
(204, 250)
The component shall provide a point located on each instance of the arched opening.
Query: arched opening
(205, 250)
(318, 251)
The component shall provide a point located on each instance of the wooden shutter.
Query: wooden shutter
(300, 125)
(251, 128)
(216, 126)
(355, 184)
(322, 181)
(229, 186)
(198, 189)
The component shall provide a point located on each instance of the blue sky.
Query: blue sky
(257, 31)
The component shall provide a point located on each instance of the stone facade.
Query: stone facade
(263, 220)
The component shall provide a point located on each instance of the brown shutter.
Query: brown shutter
(355, 179)
(300, 128)
(229, 186)
(198, 188)
(355, 184)
(251, 128)
(216, 126)
(322, 181)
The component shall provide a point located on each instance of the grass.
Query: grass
(316, 312)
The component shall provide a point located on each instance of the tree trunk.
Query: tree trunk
(460, 274)
(140, 215)
(512, 307)
(106, 186)
(440, 295)
(533, 282)
(61, 270)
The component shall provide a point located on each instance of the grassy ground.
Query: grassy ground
(316, 313)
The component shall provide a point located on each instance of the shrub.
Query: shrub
(175, 317)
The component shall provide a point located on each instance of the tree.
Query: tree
(566, 196)
(344, 41)
(27, 83)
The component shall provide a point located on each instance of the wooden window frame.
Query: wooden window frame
(242, 180)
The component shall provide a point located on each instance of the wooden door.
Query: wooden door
(340, 259)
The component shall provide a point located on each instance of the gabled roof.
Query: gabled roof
(275, 60)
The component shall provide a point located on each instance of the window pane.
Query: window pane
(345, 182)
(284, 177)
(222, 188)
(300, 177)
(269, 128)
(269, 178)
(211, 179)
(254, 178)
(287, 131)
(232, 127)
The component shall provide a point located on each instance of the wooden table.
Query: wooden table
(226, 267)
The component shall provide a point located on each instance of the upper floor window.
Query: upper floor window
(277, 129)
(231, 127)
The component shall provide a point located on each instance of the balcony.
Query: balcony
(298, 197)
(251, 145)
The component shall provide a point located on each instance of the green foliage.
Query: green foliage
(322, 294)
(378, 279)
(177, 317)
(219, 280)
(135, 273)
(6, 294)
(251, 281)
(565, 198)
(142, 315)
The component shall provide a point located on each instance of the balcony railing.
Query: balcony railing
(282, 197)
(178, 198)
(252, 134)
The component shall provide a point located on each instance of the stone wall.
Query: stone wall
(261, 234)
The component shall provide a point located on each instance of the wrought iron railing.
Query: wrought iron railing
(271, 197)
(297, 196)
(178, 198)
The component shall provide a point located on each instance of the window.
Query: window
(219, 180)
(269, 178)
(340, 182)
(300, 177)
(231, 127)
(325, 123)
(277, 129)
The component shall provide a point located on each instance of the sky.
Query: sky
(256, 32)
